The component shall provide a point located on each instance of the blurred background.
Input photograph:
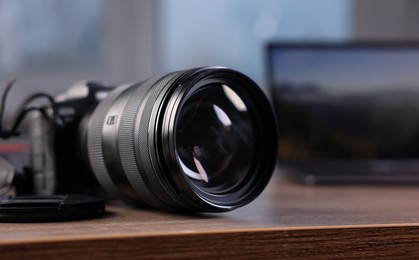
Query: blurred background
(49, 44)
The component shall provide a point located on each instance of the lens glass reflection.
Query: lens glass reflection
(215, 140)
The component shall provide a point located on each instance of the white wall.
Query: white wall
(386, 19)
(127, 43)
(234, 32)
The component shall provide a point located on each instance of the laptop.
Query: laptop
(347, 112)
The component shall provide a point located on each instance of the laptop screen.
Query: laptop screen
(346, 101)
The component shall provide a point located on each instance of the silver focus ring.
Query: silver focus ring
(94, 142)
(138, 168)
(126, 147)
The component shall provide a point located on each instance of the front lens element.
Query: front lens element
(215, 139)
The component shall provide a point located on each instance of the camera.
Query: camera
(198, 140)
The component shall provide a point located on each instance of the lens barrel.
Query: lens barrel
(196, 140)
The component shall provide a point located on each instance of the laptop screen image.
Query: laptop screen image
(347, 111)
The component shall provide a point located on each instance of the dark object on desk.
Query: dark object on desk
(50, 208)
(348, 112)
(199, 140)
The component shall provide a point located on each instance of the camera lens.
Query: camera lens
(214, 139)
(197, 140)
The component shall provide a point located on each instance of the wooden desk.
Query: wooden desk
(286, 221)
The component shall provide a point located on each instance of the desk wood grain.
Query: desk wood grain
(286, 221)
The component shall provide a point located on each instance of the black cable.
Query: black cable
(27, 101)
(9, 85)
(22, 110)
(22, 115)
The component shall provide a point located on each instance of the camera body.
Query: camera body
(58, 165)
(200, 140)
